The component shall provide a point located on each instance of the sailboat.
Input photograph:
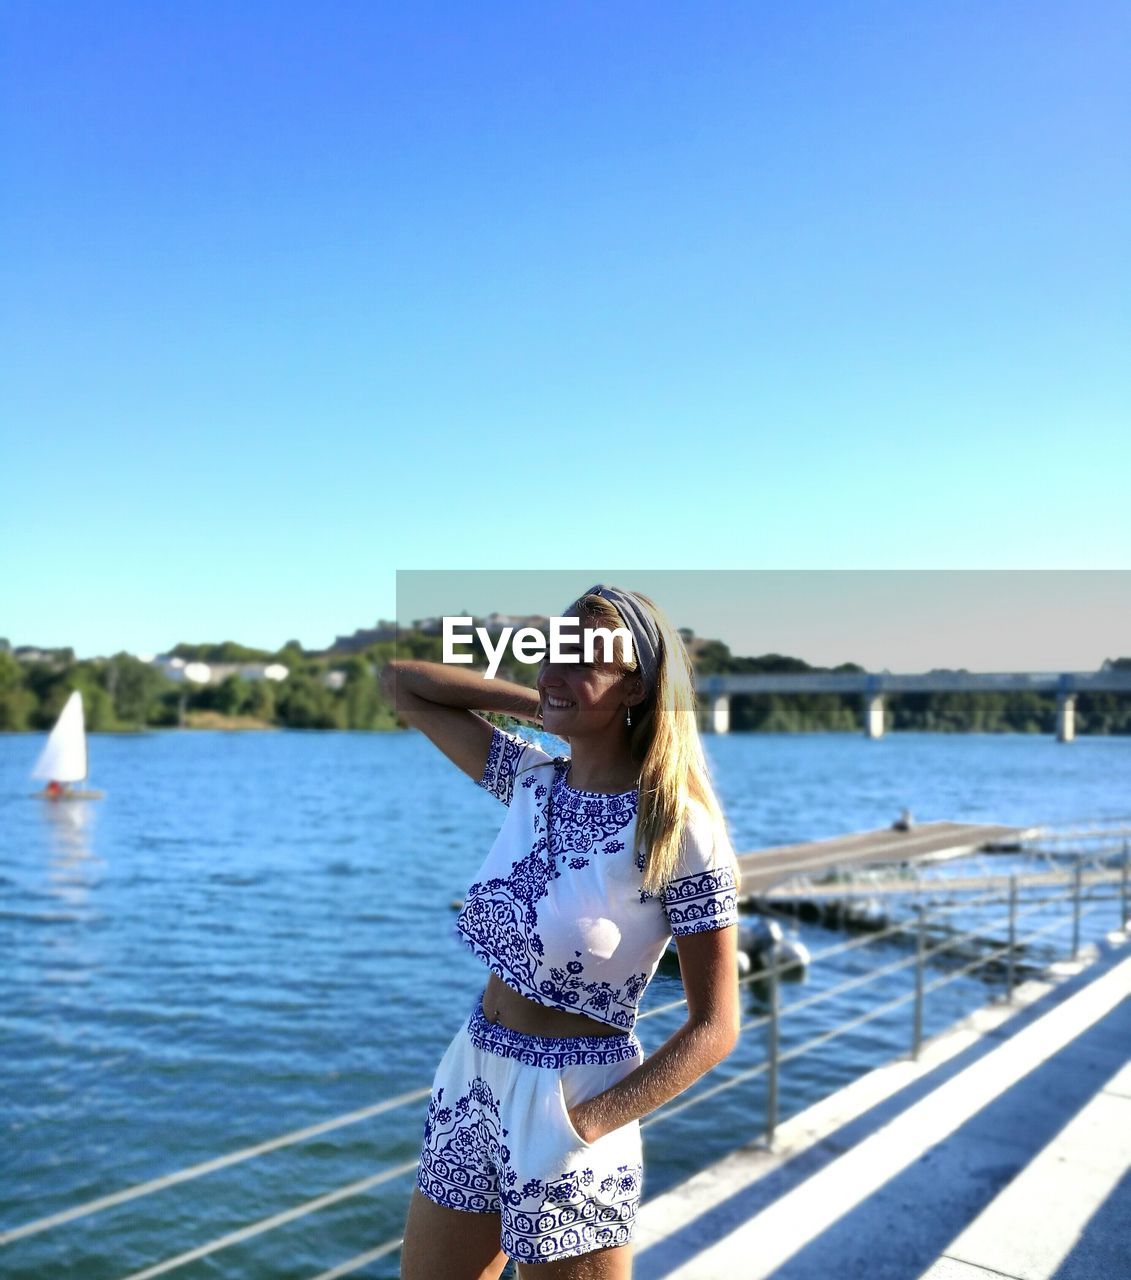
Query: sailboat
(63, 760)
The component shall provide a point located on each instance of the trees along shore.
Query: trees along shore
(341, 691)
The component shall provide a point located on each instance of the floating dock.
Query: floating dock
(923, 843)
(952, 884)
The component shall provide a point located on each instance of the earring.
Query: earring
(629, 721)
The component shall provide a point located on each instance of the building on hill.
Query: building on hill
(179, 670)
(33, 653)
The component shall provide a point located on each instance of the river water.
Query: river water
(253, 932)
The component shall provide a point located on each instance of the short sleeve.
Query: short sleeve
(507, 755)
(703, 893)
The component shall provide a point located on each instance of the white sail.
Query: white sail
(64, 756)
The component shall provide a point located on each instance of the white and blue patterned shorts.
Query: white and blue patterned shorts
(498, 1139)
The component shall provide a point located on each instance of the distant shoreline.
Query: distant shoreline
(213, 721)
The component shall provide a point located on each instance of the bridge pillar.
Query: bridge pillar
(1065, 717)
(714, 715)
(874, 715)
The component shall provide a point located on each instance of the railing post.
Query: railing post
(1076, 907)
(1012, 938)
(1123, 886)
(920, 948)
(772, 1051)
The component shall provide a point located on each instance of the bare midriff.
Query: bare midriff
(504, 1005)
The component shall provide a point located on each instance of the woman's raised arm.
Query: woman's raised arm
(441, 701)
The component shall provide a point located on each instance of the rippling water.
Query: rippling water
(253, 933)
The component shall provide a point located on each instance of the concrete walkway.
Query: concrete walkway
(1004, 1152)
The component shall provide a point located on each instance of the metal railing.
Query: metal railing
(923, 954)
(770, 975)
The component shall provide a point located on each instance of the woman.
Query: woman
(532, 1141)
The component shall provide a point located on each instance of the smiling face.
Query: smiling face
(584, 698)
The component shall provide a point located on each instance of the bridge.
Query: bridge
(716, 691)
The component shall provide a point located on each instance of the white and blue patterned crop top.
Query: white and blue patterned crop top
(567, 922)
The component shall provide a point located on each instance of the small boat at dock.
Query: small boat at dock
(761, 939)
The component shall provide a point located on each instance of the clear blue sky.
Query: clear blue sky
(299, 295)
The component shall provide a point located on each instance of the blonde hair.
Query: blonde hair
(664, 741)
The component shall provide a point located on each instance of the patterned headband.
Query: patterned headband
(645, 633)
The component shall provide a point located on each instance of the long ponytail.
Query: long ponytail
(664, 740)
